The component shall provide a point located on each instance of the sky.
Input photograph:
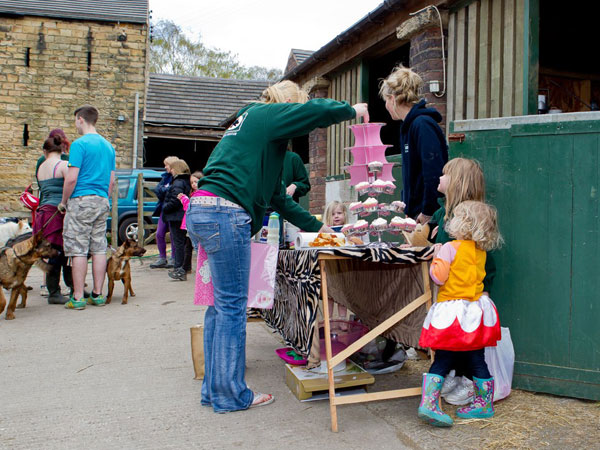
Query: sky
(262, 32)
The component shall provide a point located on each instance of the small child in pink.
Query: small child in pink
(185, 200)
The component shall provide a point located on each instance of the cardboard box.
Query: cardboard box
(305, 383)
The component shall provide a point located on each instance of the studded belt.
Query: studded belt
(213, 201)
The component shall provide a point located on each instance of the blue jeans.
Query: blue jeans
(224, 233)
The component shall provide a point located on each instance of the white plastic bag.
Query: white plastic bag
(501, 363)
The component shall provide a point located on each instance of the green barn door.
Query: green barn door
(544, 180)
(585, 314)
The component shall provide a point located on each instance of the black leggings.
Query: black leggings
(472, 362)
(178, 237)
(187, 255)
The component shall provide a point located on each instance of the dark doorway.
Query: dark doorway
(300, 146)
(569, 73)
(378, 69)
(194, 152)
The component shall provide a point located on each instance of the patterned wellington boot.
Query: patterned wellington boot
(482, 406)
(429, 409)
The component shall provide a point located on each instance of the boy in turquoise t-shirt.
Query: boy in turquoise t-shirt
(86, 191)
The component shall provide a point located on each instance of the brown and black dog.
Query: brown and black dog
(118, 268)
(15, 263)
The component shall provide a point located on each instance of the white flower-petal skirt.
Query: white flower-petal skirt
(461, 325)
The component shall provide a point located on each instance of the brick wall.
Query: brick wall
(317, 152)
(44, 95)
(426, 60)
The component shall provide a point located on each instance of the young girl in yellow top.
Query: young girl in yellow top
(463, 320)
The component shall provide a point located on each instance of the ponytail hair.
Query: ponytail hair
(284, 92)
(404, 84)
(54, 144)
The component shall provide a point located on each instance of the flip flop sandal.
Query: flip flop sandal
(262, 400)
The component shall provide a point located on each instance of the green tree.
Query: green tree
(174, 53)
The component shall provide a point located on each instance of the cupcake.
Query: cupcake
(410, 224)
(397, 206)
(360, 227)
(363, 187)
(397, 224)
(370, 205)
(379, 224)
(389, 187)
(348, 229)
(375, 166)
(356, 207)
(378, 186)
(383, 209)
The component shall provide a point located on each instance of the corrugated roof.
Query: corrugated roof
(301, 55)
(132, 11)
(197, 101)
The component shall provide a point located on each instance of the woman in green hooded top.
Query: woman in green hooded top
(242, 177)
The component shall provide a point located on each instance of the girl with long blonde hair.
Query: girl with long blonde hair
(462, 180)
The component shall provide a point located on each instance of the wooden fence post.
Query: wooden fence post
(140, 208)
(114, 224)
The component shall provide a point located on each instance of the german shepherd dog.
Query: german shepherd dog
(118, 268)
(15, 263)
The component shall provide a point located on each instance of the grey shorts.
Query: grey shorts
(84, 228)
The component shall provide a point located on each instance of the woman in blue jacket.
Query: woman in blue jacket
(422, 142)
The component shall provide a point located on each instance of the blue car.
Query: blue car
(128, 201)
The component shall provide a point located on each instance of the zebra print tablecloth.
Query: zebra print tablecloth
(375, 282)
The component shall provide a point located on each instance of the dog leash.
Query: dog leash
(3, 251)
(50, 219)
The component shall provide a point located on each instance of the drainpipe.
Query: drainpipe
(135, 129)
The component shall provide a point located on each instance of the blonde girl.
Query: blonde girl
(336, 215)
(462, 179)
(464, 320)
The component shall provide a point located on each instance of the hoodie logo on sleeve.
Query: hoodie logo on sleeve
(405, 148)
(236, 125)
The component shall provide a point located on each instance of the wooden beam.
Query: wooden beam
(531, 56)
(183, 133)
(472, 60)
(461, 60)
(484, 76)
(374, 396)
(451, 76)
(508, 59)
(379, 329)
(496, 59)
(519, 51)
(362, 43)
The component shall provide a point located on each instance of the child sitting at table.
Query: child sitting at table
(464, 320)
(336, 216)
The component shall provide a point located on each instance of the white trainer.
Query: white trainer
(462, 394)
(450, 383)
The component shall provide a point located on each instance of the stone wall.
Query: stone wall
(52, 66)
